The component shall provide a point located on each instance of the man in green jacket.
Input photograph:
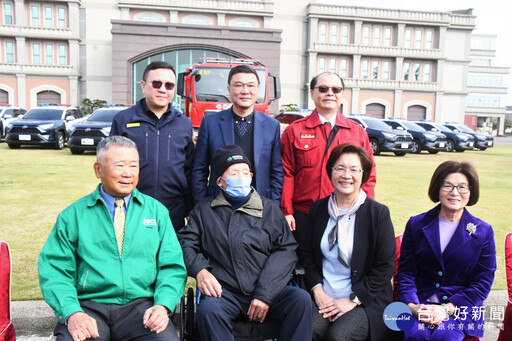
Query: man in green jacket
(112, 267)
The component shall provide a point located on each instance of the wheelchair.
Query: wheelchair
(243, 329)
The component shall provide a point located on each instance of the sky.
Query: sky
(492, 17)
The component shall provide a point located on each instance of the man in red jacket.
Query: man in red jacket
(305, 148)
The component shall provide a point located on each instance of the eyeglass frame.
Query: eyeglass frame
(325, 89)
(169, 86)
(346, 170)
(240, 86)
(455, 186)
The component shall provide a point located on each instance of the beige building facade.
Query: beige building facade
(401, 63)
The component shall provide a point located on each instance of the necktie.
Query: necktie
(328, 129)
(119, 219)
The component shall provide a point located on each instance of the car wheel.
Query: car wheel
(459, 150)
(1, 131)
(400, 153)
(416, 146)
(13, 145)
(449, 146)
(433, 151)
(59, 140)
(76, 151)
(484, 148)
(375, 146)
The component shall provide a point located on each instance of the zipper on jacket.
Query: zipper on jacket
(157, 163)
(147, 146)
(169, 147)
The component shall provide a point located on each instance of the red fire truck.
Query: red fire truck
(208, 93)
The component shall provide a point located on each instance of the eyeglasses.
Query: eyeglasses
(250, 86)
(158, 84)
(324, 89)
(448, 187)
(345, 170)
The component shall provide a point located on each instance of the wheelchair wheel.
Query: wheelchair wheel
(190, 328)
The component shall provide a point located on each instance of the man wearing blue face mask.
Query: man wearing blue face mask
(241, 251)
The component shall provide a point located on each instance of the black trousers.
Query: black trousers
(119, 322)
(301, 225)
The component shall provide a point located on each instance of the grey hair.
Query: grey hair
(117, 141)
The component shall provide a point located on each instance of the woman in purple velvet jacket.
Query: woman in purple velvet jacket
(447, 260)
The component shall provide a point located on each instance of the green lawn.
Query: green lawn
(36, 184)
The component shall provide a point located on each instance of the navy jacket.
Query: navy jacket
(166, 151)
(217, 130)
(463, 274)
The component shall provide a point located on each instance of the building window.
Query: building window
(485, 81)
(483, 101)
(427, 71)
(480, 44)
(321, 64)
(61, 16)
(48, 16)
(407, 71)
(334, 34)
(35, 15)
(36, 53)
(322, 32)
(364, 69)
(49, 54)
(244, 22)
(197, 20)
(387, 36)
(418, 39)
(408, 38)
(417, 69)
(385, 70)
(429, 39)
(149, 17)
(63, 60)
(376, 35)
(8, 13)
(344, 34)
(343, 68)
(332, 65)
(366, 35)
(375, 69)
(9, 52)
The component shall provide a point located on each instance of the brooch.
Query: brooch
(471, 228)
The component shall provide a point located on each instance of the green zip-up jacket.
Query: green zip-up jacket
(80, 259)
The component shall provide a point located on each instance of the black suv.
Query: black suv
(482, 141)
(44, 125)
(383, 138)
(8, 113)
(431, 141)
(454, 141)
(87, 134)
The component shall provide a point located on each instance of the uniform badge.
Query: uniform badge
(307, 136)
(133, 125)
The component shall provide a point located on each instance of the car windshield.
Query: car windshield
(465, 129)
(376, 124)
(212, 87)
(413, 126)
(43, 114)
(442, 128)
(104, 115)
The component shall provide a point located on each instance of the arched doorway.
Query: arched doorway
(416, 113)
(376, 110)
(48, 96)
(4, 97)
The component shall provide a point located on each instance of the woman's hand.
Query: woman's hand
(322, 300)
(338, 308)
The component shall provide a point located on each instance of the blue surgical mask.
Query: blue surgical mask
(238, 187)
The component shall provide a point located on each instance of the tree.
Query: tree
(288, 107)
(89, 105)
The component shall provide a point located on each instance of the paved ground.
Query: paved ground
(34, 320)
(507, 140)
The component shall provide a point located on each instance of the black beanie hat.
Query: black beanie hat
(227, 156)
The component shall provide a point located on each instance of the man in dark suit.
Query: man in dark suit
(256, 133)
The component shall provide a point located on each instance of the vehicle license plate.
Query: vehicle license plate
(471, 144)
(87, 142)
(24, 137)
(404, 145)
(441, 144)
(489, 143)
